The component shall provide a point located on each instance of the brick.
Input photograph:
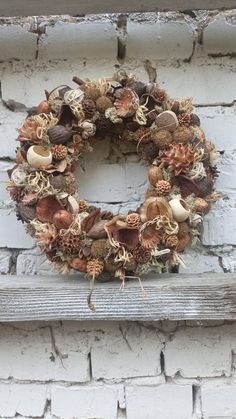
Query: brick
(98, 401)
(17, 43)
(218, 400)
(165, 40)
(5, 261)
(9, 122)
(83, 40)
(196, 262)
(200, 352)
(226, 181)
(4, 194)
(219, 37)
(12, 232)
(166, 401)
(28, 353)
(219, 125)
(33, 262)
(22, 400)
(224, 217)
(113, 182)
(126, 352)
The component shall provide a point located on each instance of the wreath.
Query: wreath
(163, 131)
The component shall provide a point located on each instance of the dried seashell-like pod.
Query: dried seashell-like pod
(153, 207)
(60, 134)
(37, 156)
(180, 209)
(127, 103)
(47, 207)
(118, 231)
(149, 235)
(98, 231)
(62, 219)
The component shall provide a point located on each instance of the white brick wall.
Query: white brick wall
(121, 370)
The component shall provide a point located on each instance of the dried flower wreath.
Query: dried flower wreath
(181, 172)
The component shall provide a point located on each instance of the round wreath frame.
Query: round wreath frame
(163, 131)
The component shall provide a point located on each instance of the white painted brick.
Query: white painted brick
(27, 353)
(229, 262)
(9, 122)
(5, 261)
(162, 40)
(219, 37)
(135, 353)
(200, 352)
(4, 194)
(33, 262)
(12, 231)
(218, 400)
(98, 401)
(83, 40)
(166, 401)
(219, 226)
(226, 181)
(113, 182)
(219, 125)
(22, 399)
(17, 43)
(197, 262)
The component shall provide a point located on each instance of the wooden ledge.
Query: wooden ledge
(83, 7)
(172, 297)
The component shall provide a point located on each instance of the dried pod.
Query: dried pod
(205, 187)
(98, 231)
(19, 156)
(18, 176)
(183, 230)
(47, 207)
(127, 103)
(182, 135)
(62, 219)
(167, 120)
(43, 107)
(180, 209)
(25, 213)
(149, 236)
(38, 156)
(162, 138)
(103, 103)
(90, 220)
(201, 206)
(69, 244)
(111, 266)
(130, 265)
(119, 231)
(100, 248)
(183, 242)
(78, 264)
(154, 174)
(60, 134)
(153, 207)
(187, 186)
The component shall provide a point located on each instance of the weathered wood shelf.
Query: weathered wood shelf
(172, 297)
(83, 7)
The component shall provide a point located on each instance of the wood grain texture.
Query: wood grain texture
(172, 297)
(83, 7)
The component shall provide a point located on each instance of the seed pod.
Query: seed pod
(60, 134)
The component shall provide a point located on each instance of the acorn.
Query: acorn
(62, 219)
(60, 134)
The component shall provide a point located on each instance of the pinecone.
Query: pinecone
(103, 123)
(106, 215)
(170, 240)
(178, 158)
(184, 119)
(182, 135)
(95, 268)
(83, 205)
(59, 151)
(100, 248)
(143, 135)
(69, 244)
(160, 95)
(89, 108)
(162, 139)
(141, 255)
(103, 103)
(163, 187)
(133, 220)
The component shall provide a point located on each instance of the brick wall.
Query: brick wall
(127, 370)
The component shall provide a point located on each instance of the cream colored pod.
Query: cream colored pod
(180, 209)
(38, 157)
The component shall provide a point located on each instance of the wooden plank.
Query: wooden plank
(83, 7)
(172, 297)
